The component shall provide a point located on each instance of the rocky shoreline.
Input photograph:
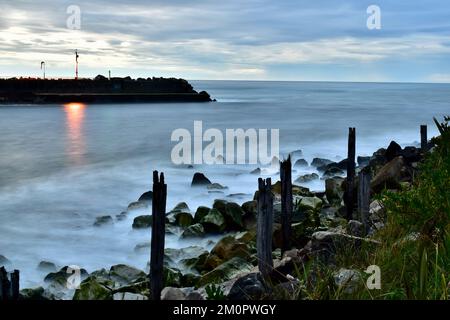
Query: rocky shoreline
(229, 270)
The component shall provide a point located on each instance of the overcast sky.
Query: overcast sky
(325, 40)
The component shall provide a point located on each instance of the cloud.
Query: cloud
(439, 78)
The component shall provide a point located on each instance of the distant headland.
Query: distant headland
(98, 90)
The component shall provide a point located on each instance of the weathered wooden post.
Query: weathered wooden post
(158, 235)
(15, 279)
(4, 284)
(423, 138)
(350, 171)
(286, 202)
(264, 227)
(364, 198)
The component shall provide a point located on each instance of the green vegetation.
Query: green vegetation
(414, 250)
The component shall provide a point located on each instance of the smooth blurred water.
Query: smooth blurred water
(61, 166)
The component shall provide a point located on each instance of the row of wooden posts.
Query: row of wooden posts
(9, 282)
(265, 211)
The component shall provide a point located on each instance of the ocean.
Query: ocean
(63, 166)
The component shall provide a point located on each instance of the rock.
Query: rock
(181, 207)
(137, 205)
(332, 172)
(143, 246)
(388, 176)
(121, 216)
(319, 162)
(200, 213)
(47, 266)
(307, 178)
(309, 203)
(188, 256)
(129, 296)
(377, 211)
(62, 275)
(228, 247)
(355, 228)
(181, 219)
(103, 220)
(34, 294)
(124, 274)
(91, 289)
(195, 230)
(296, 190)
(4, 261)
(199, 179)
(411, 154)
(363, 161)
(226, 271)
(249, 217)
(213, 222)
(333, 190)
(146, 196)
(142, 222)
(232, 212)
(60, 285)
(301, 163)
(172, 277)
(296, 154)
(170, 293)
(216, 186)
(393, 151)
(347, 280)
(195, 295)
(248, 287)
(256, 171)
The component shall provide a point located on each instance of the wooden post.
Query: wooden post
(4, 284)
(15, 279)
(350, 171)
(364, 198)
(158, 235)
(286, 202)
(264, 227)
(423, 138)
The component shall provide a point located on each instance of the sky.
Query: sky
(286, 40)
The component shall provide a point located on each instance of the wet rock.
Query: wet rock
(309, 203)
(195, 230)
(226, 271)
(232, 212)
(213, 222)
(296, 154)
(347, 280)
(319, 162)
(91, 289)
(46, 266)
(228, 247)
(389, 176)
(363, 161)
(103, 220)
(142, 247)
(170, 293)
(121, 216)
(129, 296)
(248, 287)
(307, 178)
(199, 179)
(146, 196)
(124, 274)
(181, 207)
(200, 213)
(333, 190)
(216, 186)
(172, 277)
(142, 222)
(181, 219)
(34, 294)
(393, 151)
(332, 172)
(256, 171)
(249, 217)
(184, 256)
(301, 163)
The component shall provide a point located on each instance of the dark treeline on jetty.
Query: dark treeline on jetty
(99, 89)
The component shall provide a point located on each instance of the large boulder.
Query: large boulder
(184, 257)
(213, 222)
(307, 178)
(319, 162)
(46, 266)
(333, 190)
(226, 271)
(250, 213)
(33, 294)
(195, 230)
(200, 213)
(124, 274)
(171, 293)
(248, 287)
(4, 261)
(389, 176)
(146, 196)
(199, 179)
(393, 151)
(92, 289)
(232, 212)
(142, 222)
(103, 220)
(300, 163)
(129, 296)
(227, 248)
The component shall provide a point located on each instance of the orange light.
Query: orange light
(73, 106)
